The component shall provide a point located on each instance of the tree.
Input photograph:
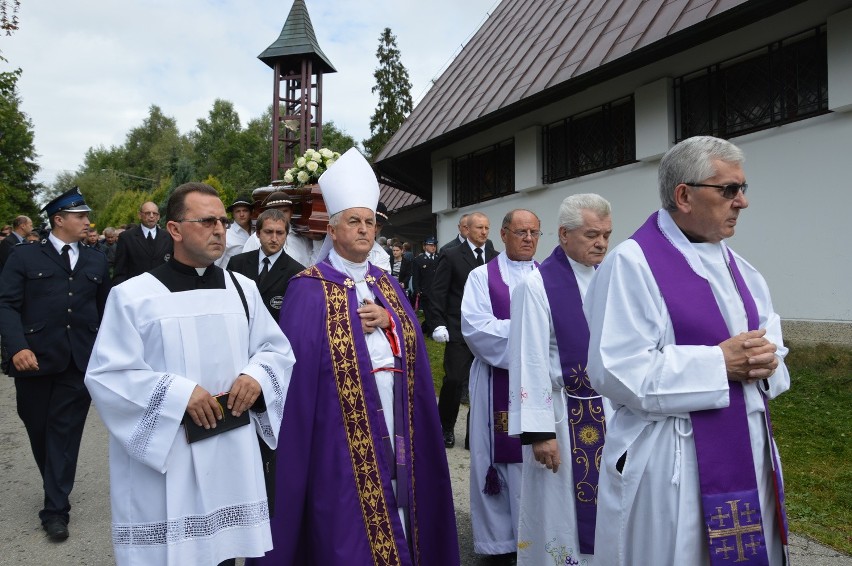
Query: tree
(154, 148)
(18, 166)
(394, 89)
(215, 140)
(336, 139)
(9, 23)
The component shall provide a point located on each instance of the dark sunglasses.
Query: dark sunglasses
(210, 221)
(728, 191)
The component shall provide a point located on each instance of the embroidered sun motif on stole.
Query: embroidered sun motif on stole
(589, 435)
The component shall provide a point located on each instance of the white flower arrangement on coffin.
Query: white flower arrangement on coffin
(310, 166)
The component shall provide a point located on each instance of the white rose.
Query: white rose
(312, 166)
(302, 177)
(326, 153)
(329, 163)
(301, 162)
(288, 177)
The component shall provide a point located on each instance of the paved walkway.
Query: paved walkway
(23, 542)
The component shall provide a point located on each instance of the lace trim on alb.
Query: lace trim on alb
(137, 443)
(191, 527)
(278, 404)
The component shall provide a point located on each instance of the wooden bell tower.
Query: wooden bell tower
(298, 64)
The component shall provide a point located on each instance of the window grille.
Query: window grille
(485, 174)
(597, 139)
(780, 83)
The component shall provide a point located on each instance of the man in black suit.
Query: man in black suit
(270, 266)
(444, 315)
(423, 275)
(462, 235)
(52, 297)
(21, 227)
(143, 247)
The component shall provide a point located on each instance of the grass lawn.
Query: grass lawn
(812, 429)
(813, 432)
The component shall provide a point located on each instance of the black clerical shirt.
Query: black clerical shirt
(178, 277)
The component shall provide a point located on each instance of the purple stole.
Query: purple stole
(583, 404)
(507, 450)
(729, 496)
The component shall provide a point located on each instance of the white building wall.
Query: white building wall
(796, 230)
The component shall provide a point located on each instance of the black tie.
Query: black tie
(66, 256)
(150, 239)
(263, 272)
(479, 260)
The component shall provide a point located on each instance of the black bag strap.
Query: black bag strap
(242, 294)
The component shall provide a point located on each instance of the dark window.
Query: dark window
(777, 84)
(598, 139)
(485, 174)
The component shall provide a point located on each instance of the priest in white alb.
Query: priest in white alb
(686, 344)
(172, 339)
(558, 416)
(495, 458)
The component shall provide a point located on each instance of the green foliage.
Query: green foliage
(336, 139)
(122, 208)
(394, 89)
(18, 167)
(811, 425)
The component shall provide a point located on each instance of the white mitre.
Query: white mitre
(349, 183)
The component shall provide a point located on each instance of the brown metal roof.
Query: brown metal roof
(531, 52)
(397, 199)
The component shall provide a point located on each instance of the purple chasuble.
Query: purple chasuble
(507, 450)
(731, 506)
(335, 501)
(583, 404)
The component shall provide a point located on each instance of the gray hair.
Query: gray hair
(691, 161)
(334, 219)
(571, 209)
(109, 231)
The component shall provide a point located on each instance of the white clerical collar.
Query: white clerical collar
(357, 271)
(579, 267)
(689, 250)
(146, 231)
(272, 258)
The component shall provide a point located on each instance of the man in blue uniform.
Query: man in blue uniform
(52, 296)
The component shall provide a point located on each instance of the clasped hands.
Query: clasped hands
(749, 356)
(204, 409)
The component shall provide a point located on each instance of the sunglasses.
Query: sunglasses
(210, 221)
(728, 191)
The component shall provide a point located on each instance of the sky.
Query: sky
(92, 68)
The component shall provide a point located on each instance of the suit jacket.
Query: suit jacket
(444, 309)
(6, 246)
(50, 310)
(134, 256)
(404, 271)
(424, 272)
(274, 285)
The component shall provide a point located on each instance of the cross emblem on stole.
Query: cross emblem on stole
(737, 530)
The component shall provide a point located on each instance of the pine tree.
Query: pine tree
(394, 90)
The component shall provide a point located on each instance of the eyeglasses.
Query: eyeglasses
(210, 221)
(534, 234)
(728, 191)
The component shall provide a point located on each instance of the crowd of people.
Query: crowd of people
(268, 394)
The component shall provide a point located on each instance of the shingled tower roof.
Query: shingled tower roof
(297, 41)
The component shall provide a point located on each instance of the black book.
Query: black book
(195, 433)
